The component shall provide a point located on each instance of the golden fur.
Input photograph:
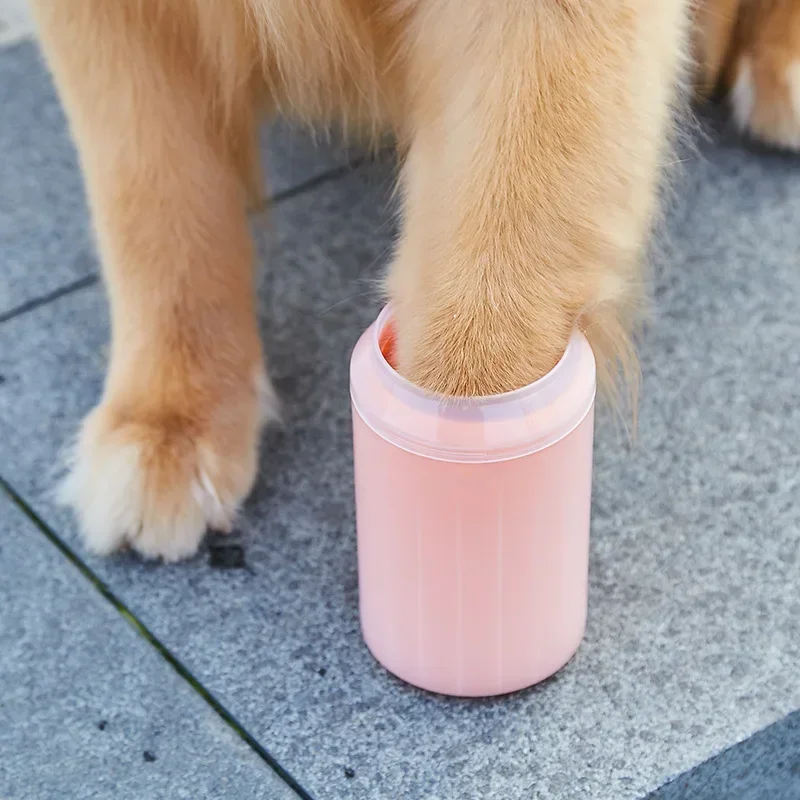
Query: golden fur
(751, 48)
(532, 133)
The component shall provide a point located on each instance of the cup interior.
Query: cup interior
(385, 344)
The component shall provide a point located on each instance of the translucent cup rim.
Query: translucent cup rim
(440, 402)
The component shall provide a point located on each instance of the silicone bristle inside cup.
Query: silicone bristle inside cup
(387, 341)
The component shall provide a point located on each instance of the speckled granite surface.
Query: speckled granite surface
(764, 767)
(88, 709)
(694, 631)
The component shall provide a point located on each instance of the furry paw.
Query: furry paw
(155, 484)
(752, 50)
(765, 96)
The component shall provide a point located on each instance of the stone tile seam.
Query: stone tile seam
(304, 187)
(153, 641)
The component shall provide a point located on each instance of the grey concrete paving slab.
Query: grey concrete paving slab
(45, 237)
(88, 708)
(764, 767)
(693, 639)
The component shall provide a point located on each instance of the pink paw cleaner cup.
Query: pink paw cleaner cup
(473, 522)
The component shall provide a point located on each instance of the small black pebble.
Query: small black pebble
(149, 757)
(349, 772)
(102, 724)
(226, 556)
(322, 672)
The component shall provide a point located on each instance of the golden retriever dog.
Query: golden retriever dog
(532, 134)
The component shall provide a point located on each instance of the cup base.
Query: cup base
(445, 687)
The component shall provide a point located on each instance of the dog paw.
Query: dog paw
(156, 482)
(765, 97)
(751, 51)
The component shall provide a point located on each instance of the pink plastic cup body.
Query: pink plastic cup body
(473, 524)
